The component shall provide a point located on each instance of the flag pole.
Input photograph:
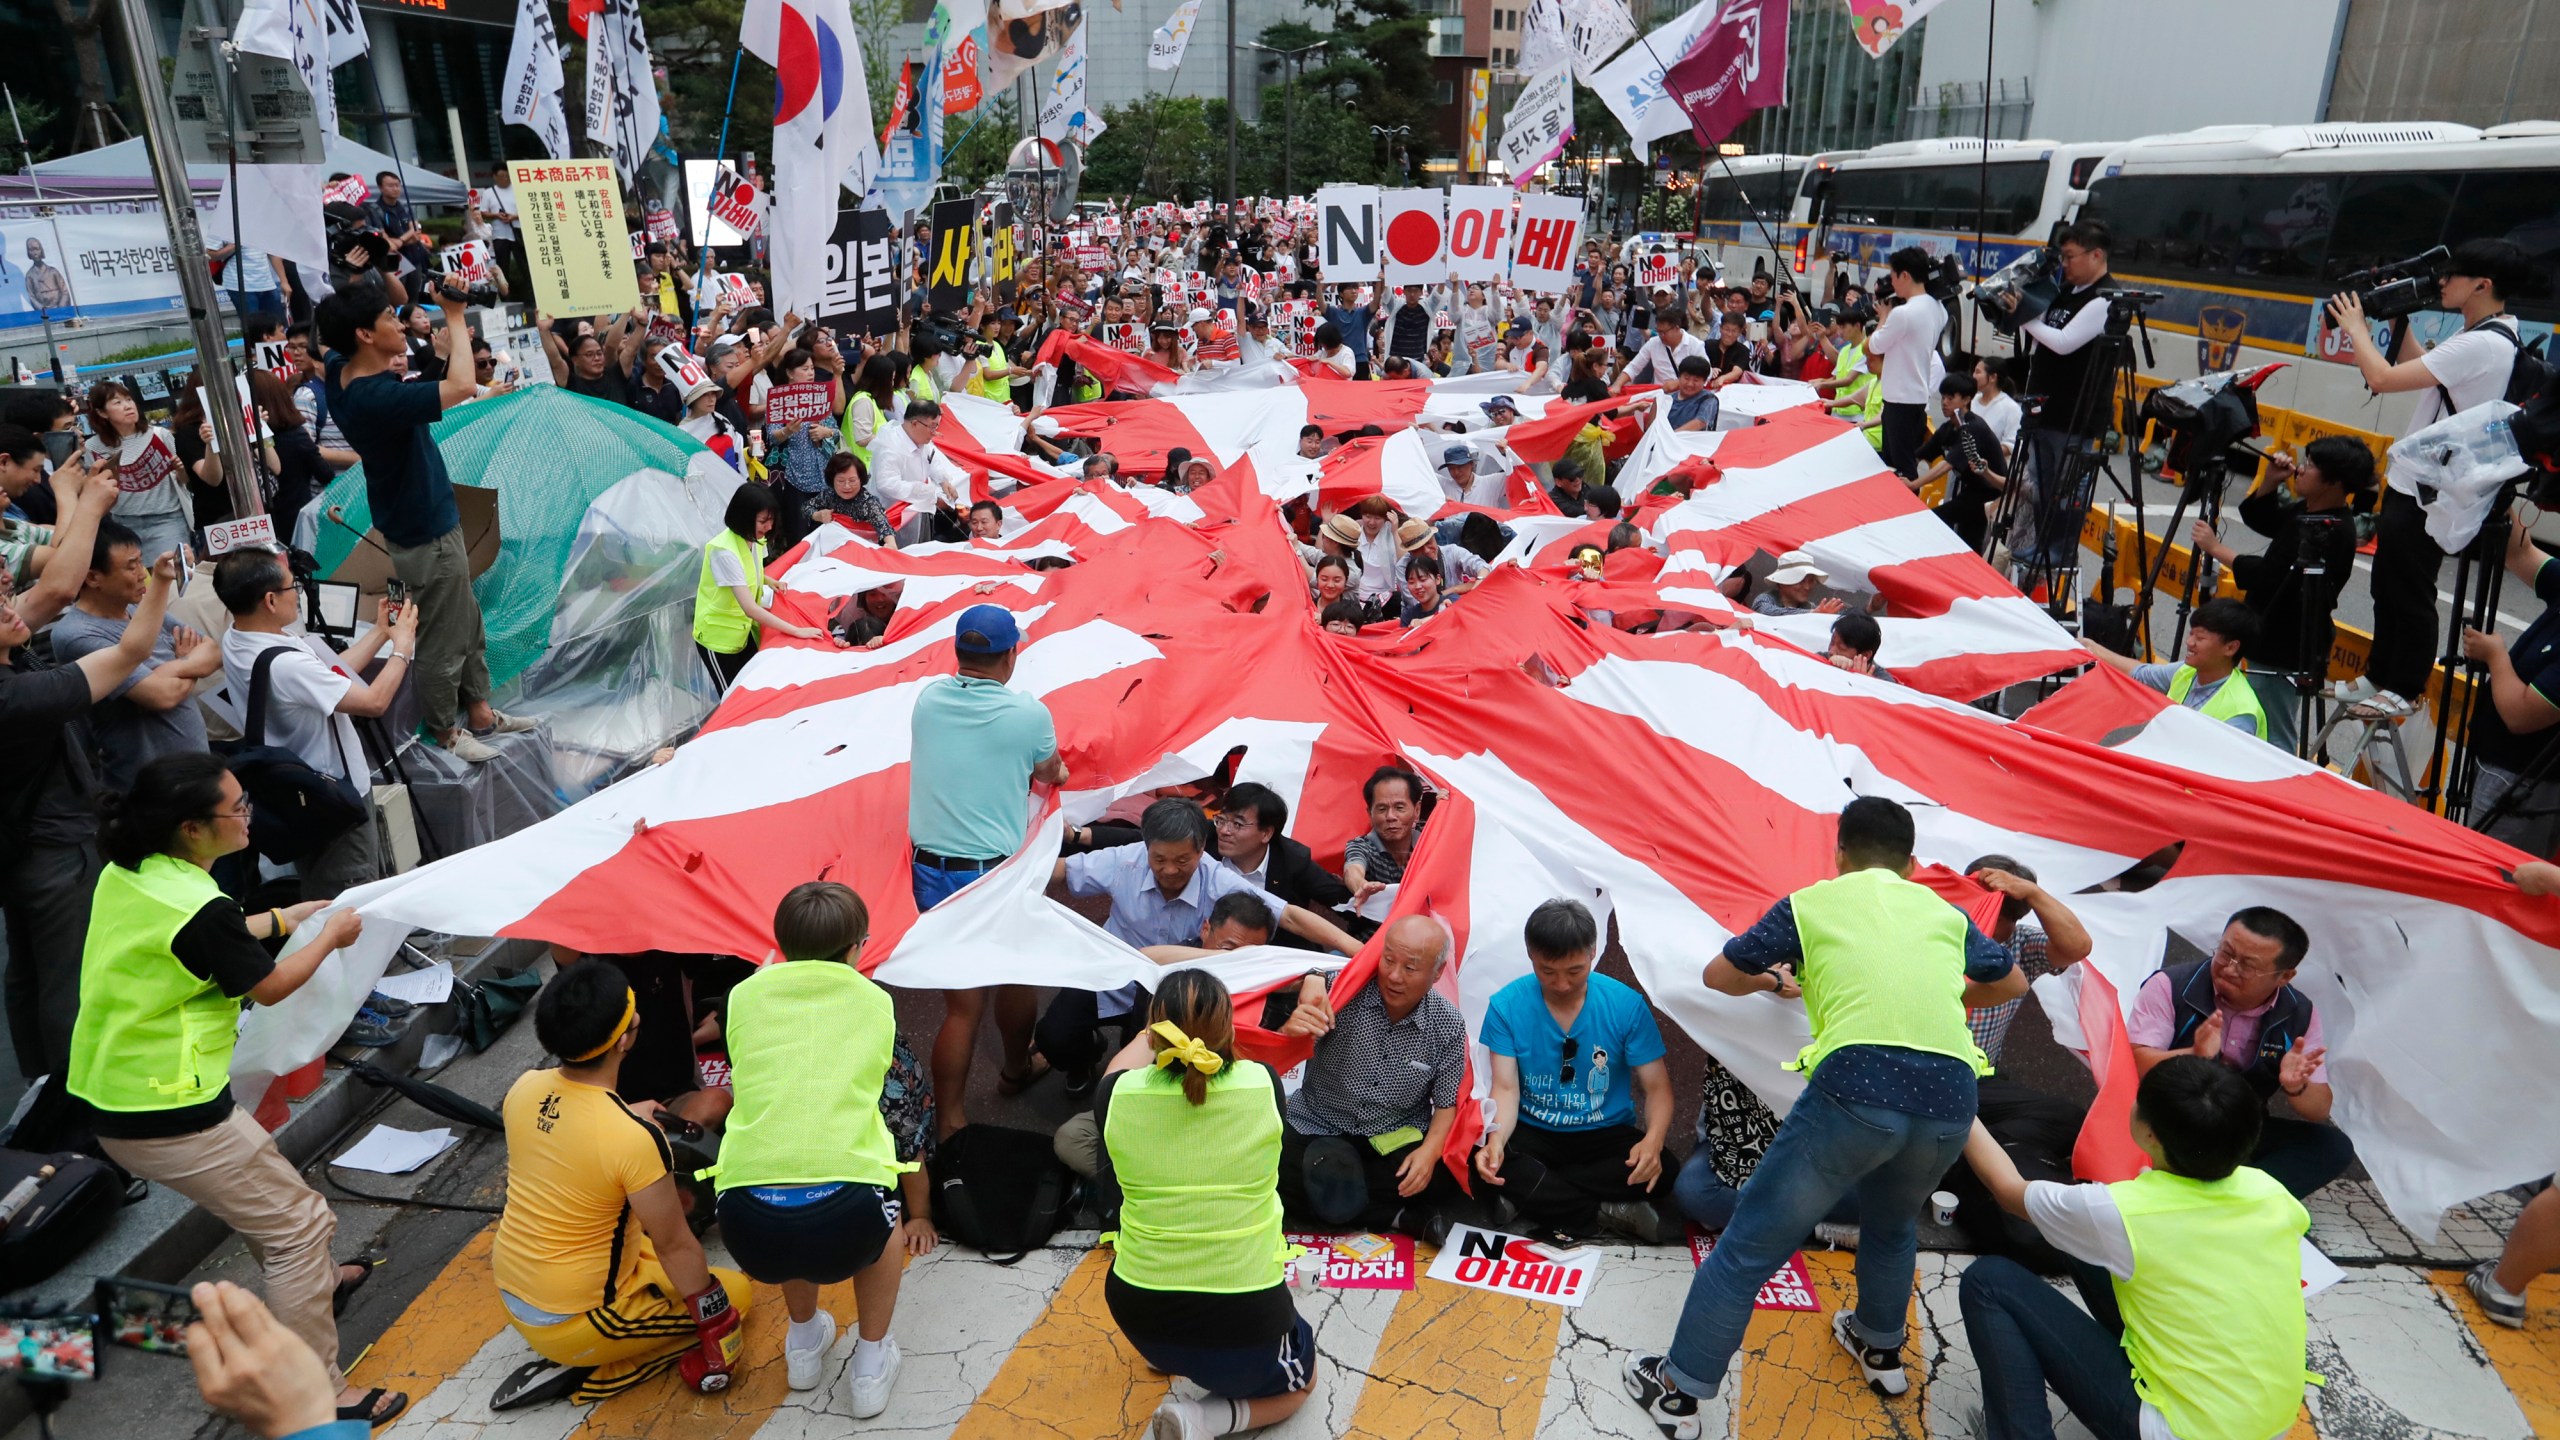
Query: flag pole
(720, 153)
(1785, 277)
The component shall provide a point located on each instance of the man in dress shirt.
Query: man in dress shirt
(907, 467)
(1250, 822)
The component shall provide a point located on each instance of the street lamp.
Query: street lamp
(1290, 63)
(1395, 141)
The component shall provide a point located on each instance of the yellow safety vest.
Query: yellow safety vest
(862, 404)
(809, 1045)
(720, 624)
(151, 1035)
(992, 389)
(2213, 1318)
(1865, 391)
(1883, 965)
(2236, 698)
(1199, 1184)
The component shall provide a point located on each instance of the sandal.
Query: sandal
(368, 1407)
(1032, 1074)
(347, 1289)
(538, 1382)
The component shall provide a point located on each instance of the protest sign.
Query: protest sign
(684, 370)
(1515, 1265)
(1348, 232)
(955, 241)
(571, 213)
(1790, 1288)
(1415, 251)
(468, 261)
(1359, 1262)
(860, 293)
(790, 404)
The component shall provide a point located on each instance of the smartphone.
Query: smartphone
(396, 590)
(144, 1315)
(59, 445)
(50, 1347)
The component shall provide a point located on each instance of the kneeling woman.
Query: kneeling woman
(808, 1174)
(1194, 1142)
(730, 593)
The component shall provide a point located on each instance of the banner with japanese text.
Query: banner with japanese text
(574, 236)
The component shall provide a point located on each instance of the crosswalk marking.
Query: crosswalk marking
(1456, 1364)
(2527, 1360)
(1071, 1375)
(1792, 1378)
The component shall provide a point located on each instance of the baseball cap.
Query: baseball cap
(986, 630)
(1793, 566)
(1457, 455)
(1197, 315)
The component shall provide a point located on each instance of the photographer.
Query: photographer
(2066, 400)
(387, 422)
(2512, 715)
(2294, 629)
(1900, 355)
(358, 251)
(2469, 369)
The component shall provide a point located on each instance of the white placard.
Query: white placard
(1516, 1265)
(1550, 230)
(258, 532)
(1348, 233)
(1479, 232)
(1415, 239)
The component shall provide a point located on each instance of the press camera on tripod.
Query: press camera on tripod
(2206, 419)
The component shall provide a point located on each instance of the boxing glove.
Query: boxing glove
(717, 1341)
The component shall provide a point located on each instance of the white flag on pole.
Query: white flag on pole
(821, 131)
(1538, 125)
(1172, 37)
(1062, 110)
(534, 78)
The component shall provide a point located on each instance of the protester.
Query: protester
(152, 712)
(311, 691)
(1791, 587)
(2211, 681)
(1251, 819)
(1732, 1137)
(1570, 1049)
(850, 502)
(412, 502)
(153, 498)
(594, 1263)
(1887, 970)
(976, 746)
(2190, 1275)
(1193, 1137)
(1369, 1126)
(1855, 638)
(1691, 404)
(729, 596)
(2240, 1008)
(1373, 861)
(169, 959)
(808, 1173)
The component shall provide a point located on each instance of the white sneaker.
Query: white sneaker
(805, 1368)
(871, 1392)
(463, 745)
(1838, 1237)
(1179, 1418)
(1882, 1368)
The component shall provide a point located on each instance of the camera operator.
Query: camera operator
(1901, 353)
(2512, 716)
(386, 420)
(2469, 369)
(2066, 399)
(2294, 629)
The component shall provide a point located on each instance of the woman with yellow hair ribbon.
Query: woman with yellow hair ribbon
(1192, 1135)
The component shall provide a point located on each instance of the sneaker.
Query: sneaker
(538, 1382)
(1080, 1083)
(1640, 1221)
(805, 1368)
(871, 1392)
(1426, 1223)
(1179, 1418)
(1883, 1368)
(464, 746)
(506, 724)
(2482, 1282)
(1838, 1237)
(387, 1006)
(1673, 1412)
(370, 1030)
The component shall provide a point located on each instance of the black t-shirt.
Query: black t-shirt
(2536, 654)
(2270, 585)
(612, 385)
(48, 788)
(1970, 485)
(1193, 1317)
(216, 945)
(1734, 355)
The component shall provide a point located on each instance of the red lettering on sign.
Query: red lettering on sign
(1544, 243)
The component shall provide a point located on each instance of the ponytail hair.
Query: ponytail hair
(167, 793)
(1196, 1003)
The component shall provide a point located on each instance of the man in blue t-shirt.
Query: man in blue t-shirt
(386, 419)
(1569, 1050)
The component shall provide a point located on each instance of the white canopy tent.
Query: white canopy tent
(125, 160)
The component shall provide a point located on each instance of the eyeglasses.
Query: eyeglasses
(235, 812)
(1564, 1075)
(1237, 820)
(2232, 965)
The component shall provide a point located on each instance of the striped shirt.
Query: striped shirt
(1371, 1075)
(1990, 1023)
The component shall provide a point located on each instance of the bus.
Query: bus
(1856, 210)
(2246, 229)
(1743, 240)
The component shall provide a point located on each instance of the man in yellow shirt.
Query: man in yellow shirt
(594, 1261)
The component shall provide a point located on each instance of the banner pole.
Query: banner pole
(720, 155)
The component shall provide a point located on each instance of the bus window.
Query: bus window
(2162, 224)
(2285, 223)
(2017, 194)
(2518, 205)
(2383, 218)
(2082, 169)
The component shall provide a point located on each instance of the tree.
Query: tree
(1160, 147)
(1374, 73)
(980, 142)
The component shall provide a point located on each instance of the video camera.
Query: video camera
(2401, 288)
(2205, 418)
(349, 230)
(483, 296)
(2036, 281)
(946, 339)
(1945, 282)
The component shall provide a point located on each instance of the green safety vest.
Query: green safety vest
(720, 624)
(922, 386)
(2236, 698)
(2213, 1318)
(809, 1045)
(1883, 965)
(992, 389)
(856, 406)
(1865, 391)
(151, 1035)
(1199, 1184)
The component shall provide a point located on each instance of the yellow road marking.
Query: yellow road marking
(2527, 1360)
(442, 1329)
(1794, 1380)
(1456, 1362)
(667, 1408)
(1072, 1375)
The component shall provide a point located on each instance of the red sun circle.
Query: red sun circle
(1413, 238)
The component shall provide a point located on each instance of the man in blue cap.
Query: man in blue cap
(974, 749)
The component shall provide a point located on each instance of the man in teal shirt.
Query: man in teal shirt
(975, 747)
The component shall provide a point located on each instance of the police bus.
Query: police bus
(2246, 230)
(1857, 210)
(1746, 239)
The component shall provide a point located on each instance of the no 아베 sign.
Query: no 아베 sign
(1790, 1287)
(1515, 1265)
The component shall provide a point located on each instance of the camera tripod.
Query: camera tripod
(2073, 482)
(2479, 575)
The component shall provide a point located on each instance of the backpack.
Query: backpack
(2529, 376)
(1000, 1191)
(294, 810)
(71, 1208)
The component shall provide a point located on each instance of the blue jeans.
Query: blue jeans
(933, 884)
(1827, 1149)
(2026, 1337)
(1703, 1196)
